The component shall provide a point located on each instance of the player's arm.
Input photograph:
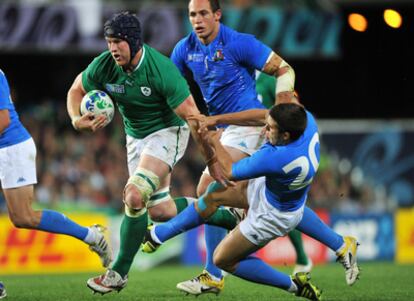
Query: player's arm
(4, 120)
(223, 157)
(186, 109)
(285, 76)
(255, 117)
(86, 122)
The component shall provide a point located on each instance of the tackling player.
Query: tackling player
(279, 177)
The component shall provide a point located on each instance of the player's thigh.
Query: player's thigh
(19, 200)
(159, 151)
(233, 248)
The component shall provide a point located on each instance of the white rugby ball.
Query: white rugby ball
(99, 103)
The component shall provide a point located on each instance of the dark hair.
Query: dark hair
(291, 118)
(215, 5)
(125, 26)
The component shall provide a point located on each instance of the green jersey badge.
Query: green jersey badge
(146, 91)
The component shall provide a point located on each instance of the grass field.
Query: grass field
(379, 281)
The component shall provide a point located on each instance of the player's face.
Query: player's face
(273, 135)
(119, 50)
(205, 23)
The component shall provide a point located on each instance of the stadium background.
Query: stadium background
(357, 84)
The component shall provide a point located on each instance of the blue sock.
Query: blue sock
(255, 270)
(56, 222)
(213, 236)
(187, 219)
(313, 226)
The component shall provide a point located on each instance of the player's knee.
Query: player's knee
(133, 197)
(140, 187)
(23, 221)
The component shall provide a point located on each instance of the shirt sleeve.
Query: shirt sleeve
(176, 89)
(90, 80)
(178, 57)
(250, 52)
(258, 165)
(4, 92)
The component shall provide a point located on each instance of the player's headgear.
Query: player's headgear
(125, 26)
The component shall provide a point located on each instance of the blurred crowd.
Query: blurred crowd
(89, 170)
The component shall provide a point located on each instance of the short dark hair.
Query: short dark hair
(215, 5)
(291, 118)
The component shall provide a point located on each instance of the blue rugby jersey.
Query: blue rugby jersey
(289, 169)
(15, 132)
(224, 69)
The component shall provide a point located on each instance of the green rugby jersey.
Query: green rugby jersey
(265, 87)
(146, 97)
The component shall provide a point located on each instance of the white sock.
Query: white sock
(190, 200)
(90, 237)
(293, 287)
(341, 248)
(154, 236)
(214, 277)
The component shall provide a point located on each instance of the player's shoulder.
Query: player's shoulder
(155, 57)
(186, 43)
(231, 36)
(101, 62)
(311, 123)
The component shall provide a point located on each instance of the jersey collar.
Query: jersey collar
(142, 58)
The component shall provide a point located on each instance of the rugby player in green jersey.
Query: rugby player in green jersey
(154, 101)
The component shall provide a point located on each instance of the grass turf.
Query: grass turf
(379, 281)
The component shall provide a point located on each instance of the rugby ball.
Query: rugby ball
(99, 103)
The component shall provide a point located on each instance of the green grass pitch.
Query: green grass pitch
(379, 281)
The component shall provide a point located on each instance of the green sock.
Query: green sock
(132, 233)
(223, 218)
(182, 203)
(296, 239)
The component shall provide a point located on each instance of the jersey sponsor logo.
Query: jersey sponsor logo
(115, 88)
(146, 91)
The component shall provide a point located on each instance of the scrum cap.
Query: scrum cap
(125, 26)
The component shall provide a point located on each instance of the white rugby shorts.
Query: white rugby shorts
(18, 165)
(265, 222)
(247, 139)
(168, 145)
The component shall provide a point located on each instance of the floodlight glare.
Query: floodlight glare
(357, 22)
(392, 18)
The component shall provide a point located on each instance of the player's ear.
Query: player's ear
(286, 137)
(217, 15)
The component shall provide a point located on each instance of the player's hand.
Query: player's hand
(217, 173)
(204, 122)
(214, 136)
(90, 123)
